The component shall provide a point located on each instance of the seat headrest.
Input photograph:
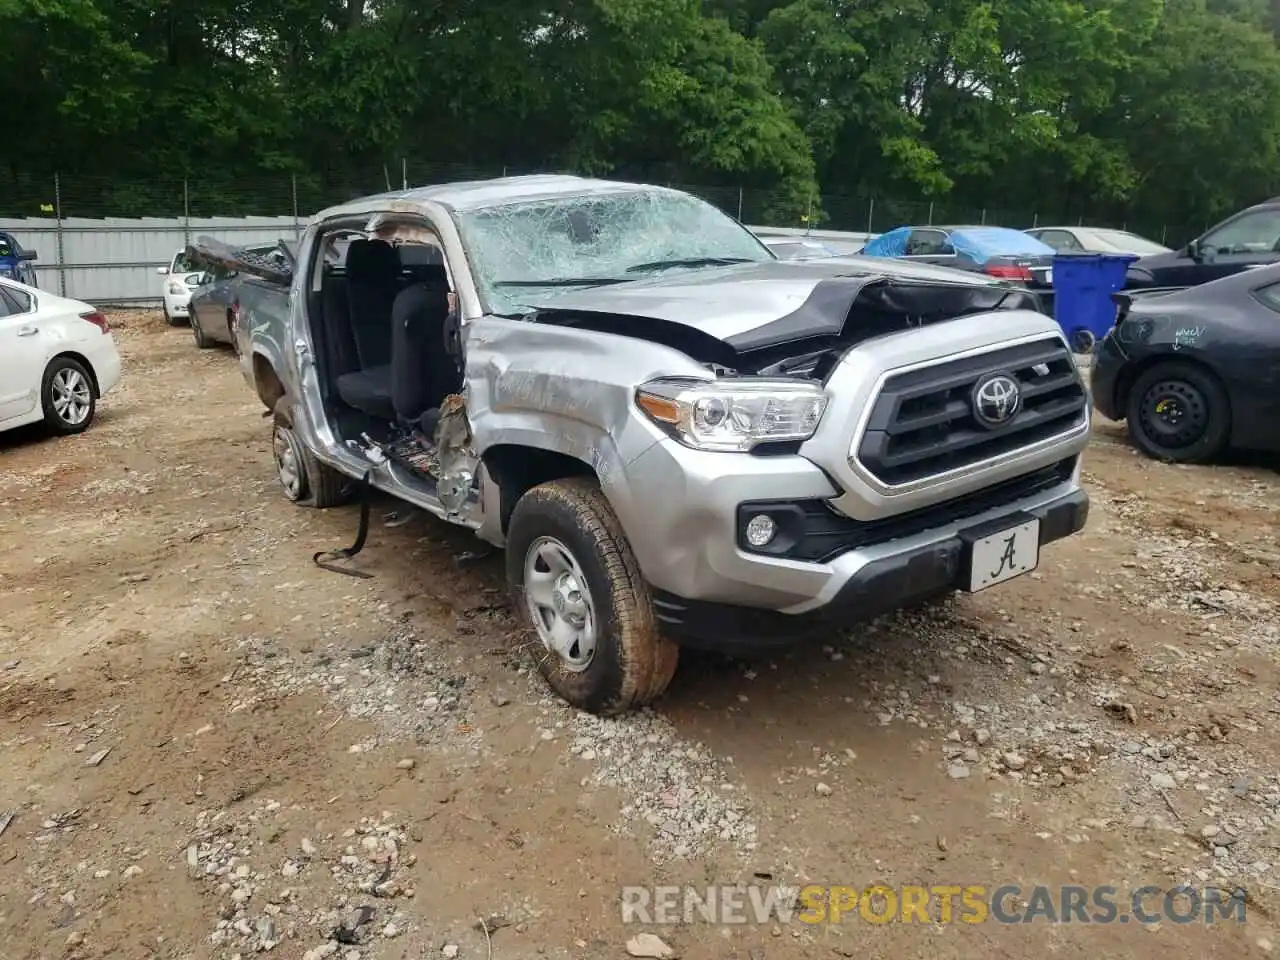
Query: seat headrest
(372, 261)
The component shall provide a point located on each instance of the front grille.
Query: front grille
(811, 530)
(922, 424)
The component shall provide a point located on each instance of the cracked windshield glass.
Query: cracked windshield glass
(544, 247)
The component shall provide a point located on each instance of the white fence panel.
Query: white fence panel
(114, 260)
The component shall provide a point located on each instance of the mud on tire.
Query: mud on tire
(632, 662)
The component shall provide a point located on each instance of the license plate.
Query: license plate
(1003, 555)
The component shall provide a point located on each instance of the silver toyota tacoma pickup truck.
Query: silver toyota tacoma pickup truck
(677, 438)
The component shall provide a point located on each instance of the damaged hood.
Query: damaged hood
(753, 305)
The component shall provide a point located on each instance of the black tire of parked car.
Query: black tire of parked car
(231, 333)
(53, 420)
(633, 662)
(321, 486)
(1179, 412)
(168, 318)
(202, 342)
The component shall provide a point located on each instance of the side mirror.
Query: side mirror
(27, 255)
(162, 271)
(1196, 250)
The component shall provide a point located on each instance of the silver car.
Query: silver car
(677, 438)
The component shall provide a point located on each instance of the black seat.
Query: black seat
(422, 374)
(339, 347)
(373, 274)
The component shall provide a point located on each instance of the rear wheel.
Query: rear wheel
(231, 333)
(1082, 340)
(202, 342)
(1179, 413)
(67, 396)
(304, 479)
(575, 581)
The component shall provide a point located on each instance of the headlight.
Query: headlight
(176, 289)
(731, 414)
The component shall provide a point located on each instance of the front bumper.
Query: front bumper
(690, 545)
(1104, 378)
(865, 585)
(177, 304)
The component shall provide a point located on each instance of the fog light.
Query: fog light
(760, 530)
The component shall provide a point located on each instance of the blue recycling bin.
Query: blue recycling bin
(1082, 287)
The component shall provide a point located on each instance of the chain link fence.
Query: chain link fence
(106, 261)
(300, 195)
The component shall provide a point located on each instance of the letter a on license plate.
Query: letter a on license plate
(1002, 554)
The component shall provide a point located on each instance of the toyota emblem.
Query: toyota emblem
(996, 400)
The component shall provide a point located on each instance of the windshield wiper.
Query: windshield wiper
(562, 282)
(686, 262)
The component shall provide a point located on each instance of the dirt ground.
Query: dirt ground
(284, 745)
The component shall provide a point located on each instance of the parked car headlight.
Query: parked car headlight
(176, 289)
(733, 415)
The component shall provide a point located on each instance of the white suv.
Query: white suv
(180, 276)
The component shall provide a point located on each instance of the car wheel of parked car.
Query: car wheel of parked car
(1082, 341)
(1180, 413)
(202, 342)
(305, 479)
(575, 580)
(231, 332)
(66, 393)
(169, 319)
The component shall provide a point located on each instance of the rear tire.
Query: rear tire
(231, 333)
(575, 581)
(1179, 413)
(67, 396)
(1082, 341)
(305, 480)
(202, 342)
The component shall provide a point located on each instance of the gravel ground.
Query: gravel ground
(218, 750)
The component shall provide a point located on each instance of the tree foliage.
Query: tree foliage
(1155, 110)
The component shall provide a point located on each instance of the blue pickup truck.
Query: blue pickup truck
(16, 262)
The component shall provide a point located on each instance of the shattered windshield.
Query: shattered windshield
(573, 242)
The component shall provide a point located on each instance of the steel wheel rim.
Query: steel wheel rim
(288, 462)
(559, 603)
(72, 396)
(1174, 414)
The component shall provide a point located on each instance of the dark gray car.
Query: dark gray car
(216, 303)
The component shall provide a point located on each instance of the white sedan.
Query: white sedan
(57, 358)
(180, 277)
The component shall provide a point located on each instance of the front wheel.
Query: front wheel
(575, 581)
(67, 396)
(1180, 413)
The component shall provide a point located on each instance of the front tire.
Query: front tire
(305, 480)
(575, 581)
(169, 319)
(67, 396)
(1179, 413)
